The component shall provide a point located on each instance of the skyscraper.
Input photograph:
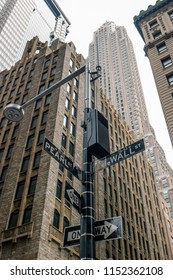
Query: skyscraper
(19, 23)
(14, 20)
(120, 80)
(155, 25)
(33, 207)
(120, 83)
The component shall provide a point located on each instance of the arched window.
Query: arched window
(13, 219)
(27, 215)
(56, 218)
(66, 222)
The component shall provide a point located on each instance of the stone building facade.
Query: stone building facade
(155, 25)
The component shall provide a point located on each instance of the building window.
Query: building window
(37, 160)
(171, 15)
(34, 122)
(23, 77)
(75, 96)
(65, 122)
(71, 63)
(25, 164)
(47, 100)
(19, 190)
(2, 122)
(74, 111)
(5, 136)
(170, 79)
(1, 153)
(53, 71)
(76, 82)
(13, 219)
(16, 81)
(153, 23)
(63, 140)
(65, 223)
(157, 34)
(19, 89)
(56, 218)
(32, 185)
(71, 148)
(41, 88)
(161, 47)
(4, 97)
(67, 103)
(9, 153)
(31, 73)
(47, 63)
(70, 177)
(24, 99)
(4, 173)
(40, 137)
(27, 215)
(44, 117)
(73, 129)
(12, 93)
(61, 168)
(30, 142)
(166, 61)
(55, 59)
(59, 189)
(15, 131)
(38, 104)
(51, 82)
(44, 76)
(69, 88)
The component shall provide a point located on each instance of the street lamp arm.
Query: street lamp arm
(56, 85)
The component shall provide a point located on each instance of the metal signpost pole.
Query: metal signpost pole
(87, 242)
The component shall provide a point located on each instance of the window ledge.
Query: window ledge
(12, 234)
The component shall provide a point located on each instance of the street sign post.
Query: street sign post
(103, 230)
(52, 150)
(73, 197)
(120, 155)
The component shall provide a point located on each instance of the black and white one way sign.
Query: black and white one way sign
(103, 230)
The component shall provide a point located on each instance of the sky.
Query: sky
(87, 16)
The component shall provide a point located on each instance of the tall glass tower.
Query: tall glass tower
(20, 23)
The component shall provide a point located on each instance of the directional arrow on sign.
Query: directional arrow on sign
(105, 230)
(108, 229)
(73, 197)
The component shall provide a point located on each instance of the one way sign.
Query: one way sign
(103, 230)
(73, 197)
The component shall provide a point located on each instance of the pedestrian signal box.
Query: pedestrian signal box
(98, 136)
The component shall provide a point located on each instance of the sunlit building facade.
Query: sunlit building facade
(155, 25)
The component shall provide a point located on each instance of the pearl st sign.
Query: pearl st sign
(51, 149)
